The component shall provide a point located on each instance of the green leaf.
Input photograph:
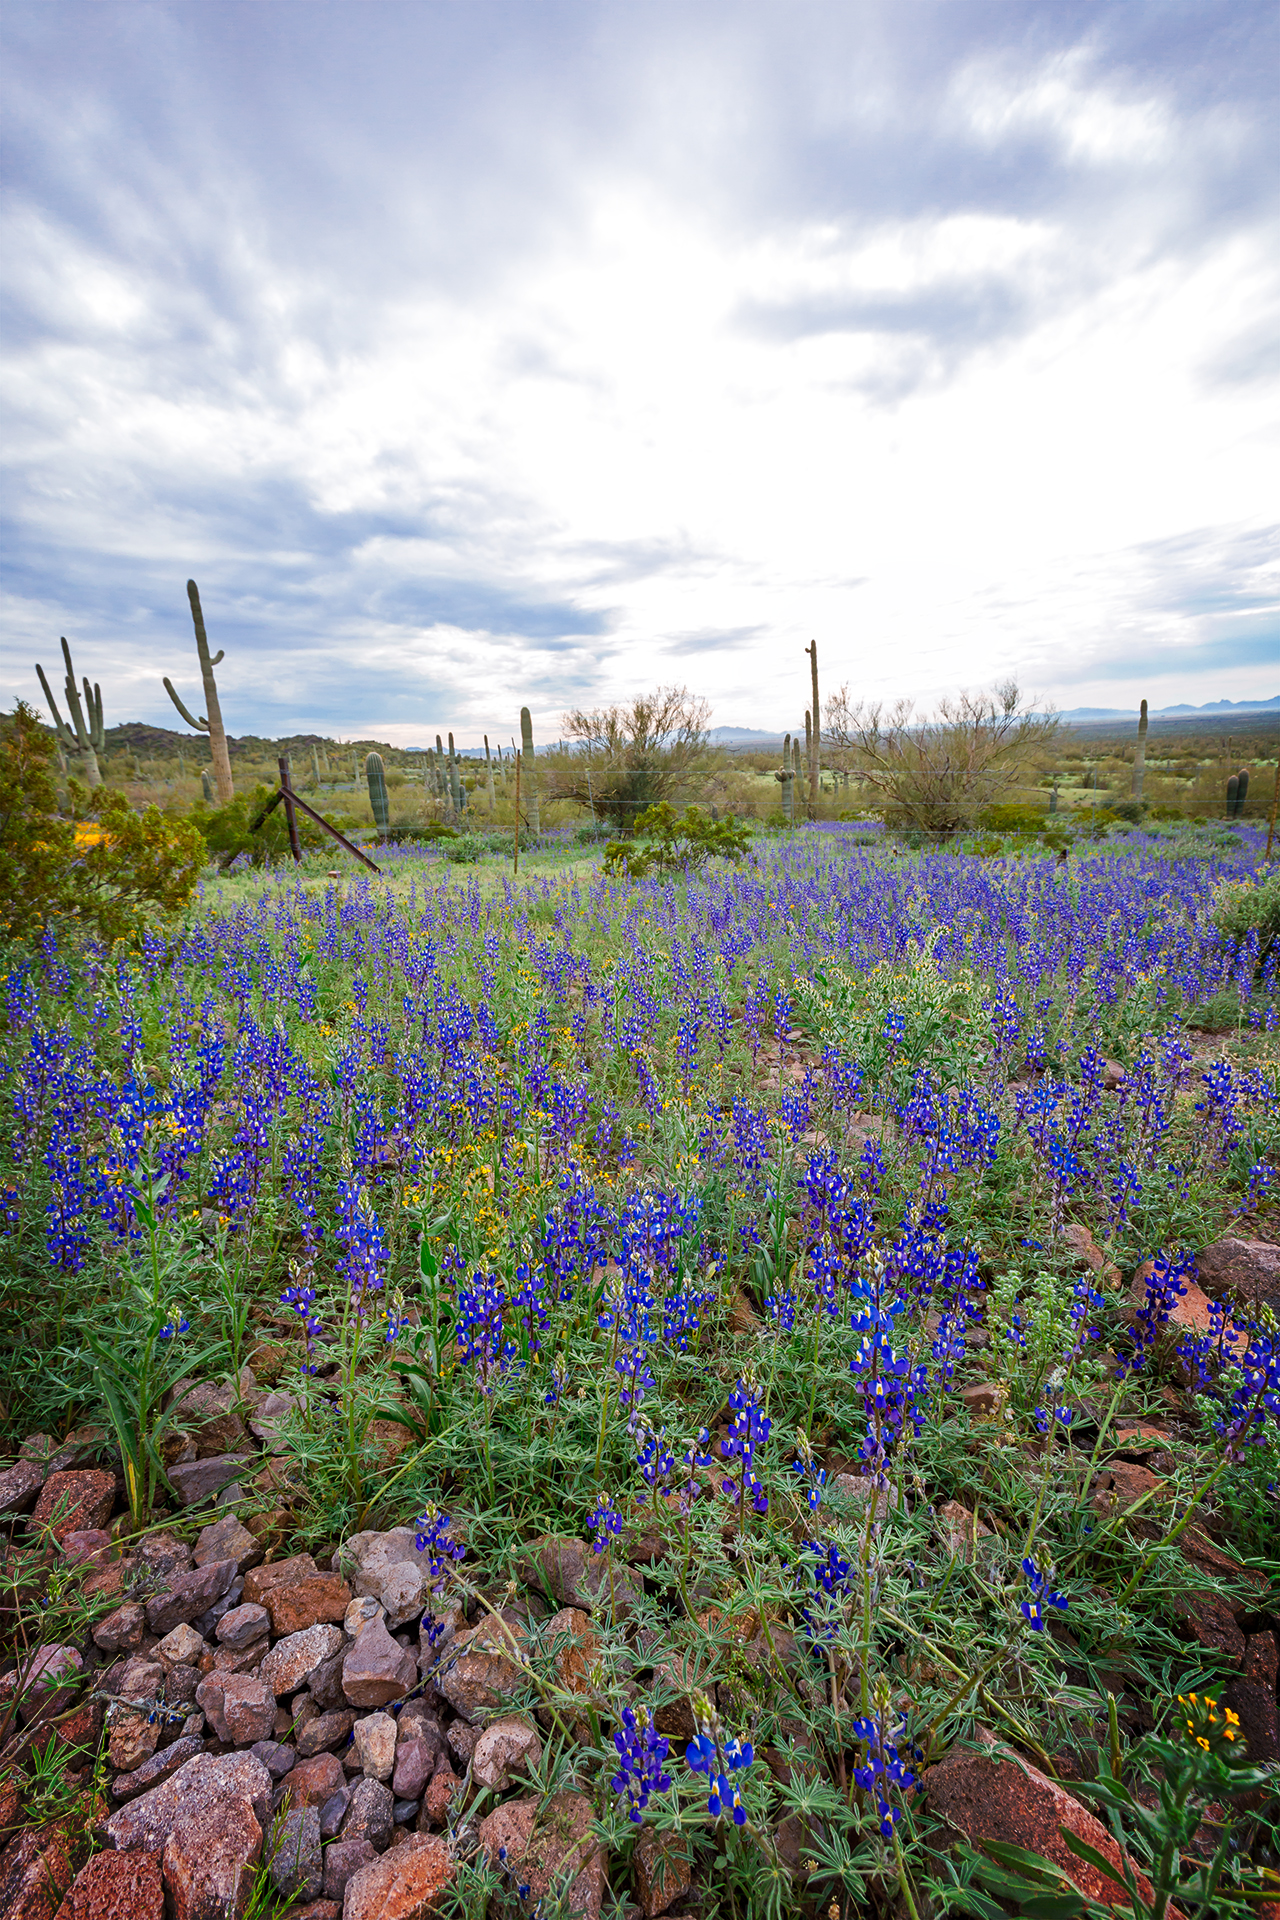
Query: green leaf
(1083, 1851)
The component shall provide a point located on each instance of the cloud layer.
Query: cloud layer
(500, 355)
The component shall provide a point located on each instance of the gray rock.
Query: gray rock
(388, 1568)
(127, 1786)
(577, 1577)
(294, 1863)
(228, 1539)
(181, 1647)
(207, 1411)
(275, 1757)
(506, 1746)
(199, 1480)
(190, 1595)
(341, 1860)
(241, 1626)
(20, 1486)
(293, 1660)
(370, 1815)
(326, 1682)
(478, 1674)
(333, 1812)
(146, 1823)
(404, 1811)
(375, 1745)
(415, 1764)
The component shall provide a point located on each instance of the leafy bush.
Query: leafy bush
(679, 842)
(239, 828)
(1242, 907)
(105, 870)
(1011, 816)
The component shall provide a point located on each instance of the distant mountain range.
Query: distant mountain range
(1161, 713)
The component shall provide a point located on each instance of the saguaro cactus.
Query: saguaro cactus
(1237, 793)
(488, 771)
(210, 721)
(788, 784)
(378, 800)
(315, 764)
(455, 779)
(207, 787)
(84, 736)
(1140, 753)
(529, 768)
(813, 733)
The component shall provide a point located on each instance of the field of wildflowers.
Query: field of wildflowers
(816, 1320)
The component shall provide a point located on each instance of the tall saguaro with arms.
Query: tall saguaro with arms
(210, 721)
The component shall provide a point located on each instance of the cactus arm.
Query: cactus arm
(62, 731)
(93, 704)
(74, 707)
(199, 725)
(217, 732)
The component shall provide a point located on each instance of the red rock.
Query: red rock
(1209, 1620)
(327, 1730)
(80, 1499)
(405, 1884)
(1260, 1659)
(1122, 1485)
(547, 1851)
(1253, 1699)
(207, 1411)
(293, 1660)
(961, 1530)
(116, 1886)
(295, 1605)
(477, 1675)
(441, 1787)
(90, 1548)
(660, 1865)
(131, 1737)
(258, 1581)
(248, 1708)
(36, 1869)
(313, 1781)
(209, 1859)
(508, 1745)
(317, 1910)
(988, 1797)
(414, 1764)
(1189, 1313)
(984, 1399)
(377, 1669)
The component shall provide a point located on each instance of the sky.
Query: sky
(475, 355)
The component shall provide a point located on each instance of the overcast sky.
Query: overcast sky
(475, 355)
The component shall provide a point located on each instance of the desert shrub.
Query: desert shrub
(678, 842)
(1009, 816)
(106, 869)
(239, 828)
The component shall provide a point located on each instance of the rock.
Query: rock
(37, 1869)
(661, 1868)
(576, 1577)
(259, 1581)
(190, 1595)
(91, 1548)
(375, 1746)
(1189, 1313)
(961, 1530)
(403, 1812)
(342, 1859)
(463, 1741)
(295, 1605)
(1253, 1699)
(140, 1679)
(849, 1494)
(1243, 1270)
(116, 1886)
(477, 1675)
(47, 1680)
(333, 1812)
(1085, 1251)
(132, 1737)
(276, 1758)
(228, 1539)
(80, 1499)
(577, 1651)
(993, 1797)
(984, 1400)
(415, 1762)
(182, 1683)
(294, 1861)
(201, 1782)
(388, 1567)
(208, 1413)
(1113, 1075)
(209, 1696)
(1122, 1486)
(243, 1625)
(370, 1815)
(559, 1847)
(1208, 1619)
(326, 1681)
(248, 1708)
(506, 1746)
(315, 1780)
(199, 1480)
(441, 1787)
(377, 1668)
(404, 1885)
(330, 1910)
(209, 1858)
(20, 1486)
(121, 1631)
(164, 1555)
(360, 1612)
(326, 1731)
(161, 1766)
(292, 1661)
(181, 1647)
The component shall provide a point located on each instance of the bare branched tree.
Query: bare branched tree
(938, 774)
(630, 756)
